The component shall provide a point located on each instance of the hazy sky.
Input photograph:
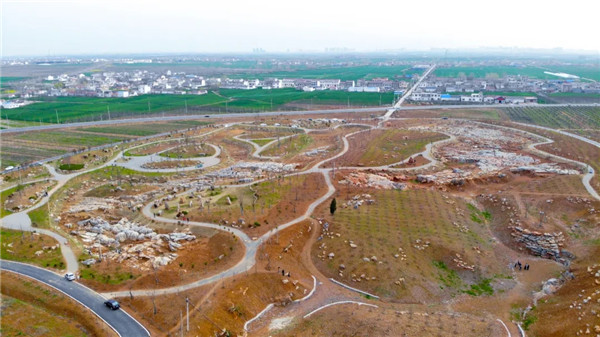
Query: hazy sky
(173, 26)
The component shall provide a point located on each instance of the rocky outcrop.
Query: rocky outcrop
(146, 248)
(547, 245)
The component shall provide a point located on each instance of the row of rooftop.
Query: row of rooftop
(141, 82)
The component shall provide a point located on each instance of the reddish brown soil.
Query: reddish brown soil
(555, 317)
(353, 320)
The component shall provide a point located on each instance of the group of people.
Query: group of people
(283, 272)
(521, 267)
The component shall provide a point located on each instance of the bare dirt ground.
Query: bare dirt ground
(354, 320)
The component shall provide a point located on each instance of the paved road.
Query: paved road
(396, 106)
(119, 320)
(258, 148)
(137, 163)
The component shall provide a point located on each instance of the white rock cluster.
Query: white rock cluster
(149, 246)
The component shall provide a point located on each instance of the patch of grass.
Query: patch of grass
(529, 320)
(4, 195)
(189, 151)
(447, 276)
(39, 217)
(21, 246)
(114, 278)
(477, 215)
(215, 192)
(263, 141)
(593, 242)
(113, 172)
(289, 146)
(71, 167)
(223, 200)
(481, 288)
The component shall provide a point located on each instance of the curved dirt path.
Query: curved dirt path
(21, 221)
(251, 246)
(589, 172)
(258, 148)
(136, 163)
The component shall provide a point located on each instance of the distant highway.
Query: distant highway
(118, 320)
(269, 113)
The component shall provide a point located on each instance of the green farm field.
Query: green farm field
(73, 109)
(77, 109)
(8, 79)
(533, 72)
(344, 73)
(259, 99)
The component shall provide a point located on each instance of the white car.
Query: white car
(70, 276)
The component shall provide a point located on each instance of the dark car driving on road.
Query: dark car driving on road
(114, 305)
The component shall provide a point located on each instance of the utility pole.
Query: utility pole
(56, 110)
(187, 313)
(542, 213)
(186, 111)
(108, 109)
(48, 203)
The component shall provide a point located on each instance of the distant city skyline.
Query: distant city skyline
(48, 28)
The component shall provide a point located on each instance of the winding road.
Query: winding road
(122, 323)
(118, 320)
